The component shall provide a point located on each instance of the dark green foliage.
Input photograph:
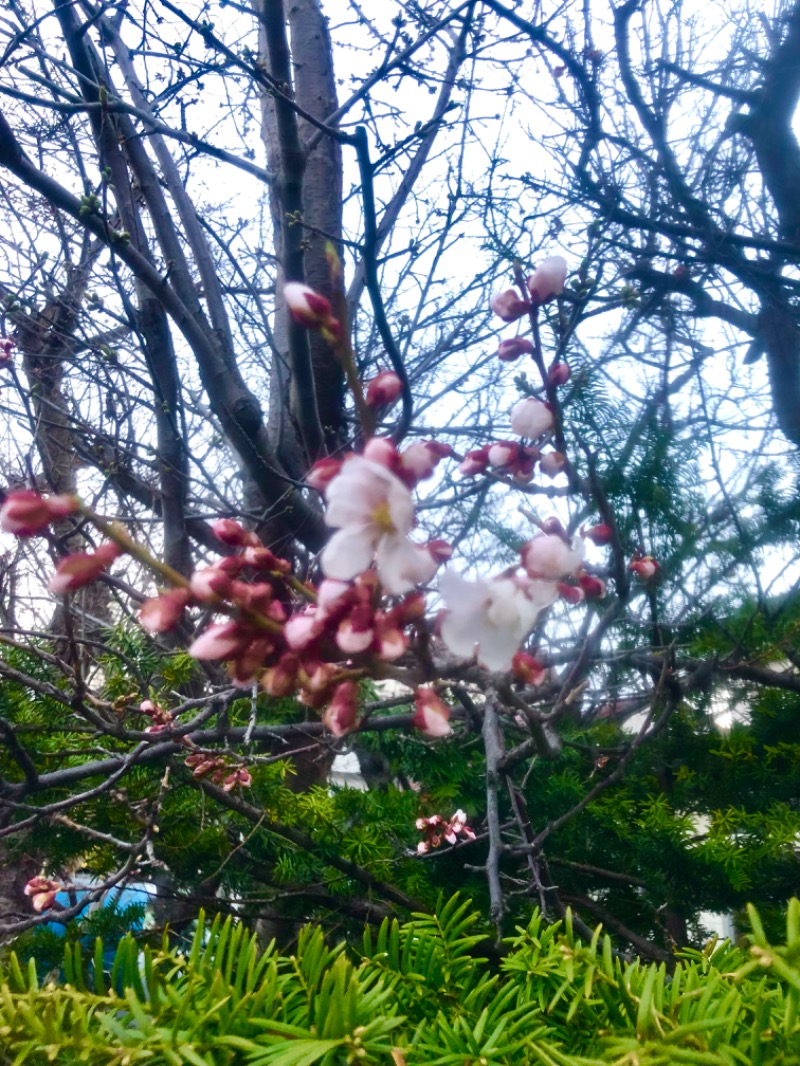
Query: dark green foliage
(421, 993)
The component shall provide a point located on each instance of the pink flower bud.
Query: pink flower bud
(391, 641)
(42, 892)
(600, 534)
(531, 418)
(421, 458)
(571, 593)
(342, 713)
(503, 453)
(82, 568)
(245, 667)
(352, 640)
(231, 533)
(241, 777)
(593, 587)
(550, 557)
(552, 463)
(26, 512)
(223, 640)
(509, 305)
(558, 374)
(548, 279)
(262, 558)
(280, 680)
(431, 714)
(475, 462)
(527, 669)
(381, 450)
(513, 347)
(307, 307)
(304, 628)
(319, 680)
(645, 567)
(440, 550)
(6, 345)
(322, 473)
(210, 584)
(553, 527)
(383, 389)
(162, 613)
(412, 609)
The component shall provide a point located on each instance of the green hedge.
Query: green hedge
(418, 993)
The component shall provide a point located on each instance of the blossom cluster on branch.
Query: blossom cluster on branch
(363, 614)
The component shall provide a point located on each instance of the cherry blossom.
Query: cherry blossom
(373, 512)
(548, 279)
(490, 618)
(436, 829)
(531, 418)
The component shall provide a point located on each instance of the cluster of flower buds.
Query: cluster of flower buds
(6, 348)
(369, 504)
(435, 830)
(26, 513)
(218, 770)
(42, 892)
(312, 311)
(162, 719)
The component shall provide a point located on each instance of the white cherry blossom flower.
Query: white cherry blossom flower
(373, 512)
(490, 618)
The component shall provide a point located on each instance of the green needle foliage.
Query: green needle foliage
(416, 993)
